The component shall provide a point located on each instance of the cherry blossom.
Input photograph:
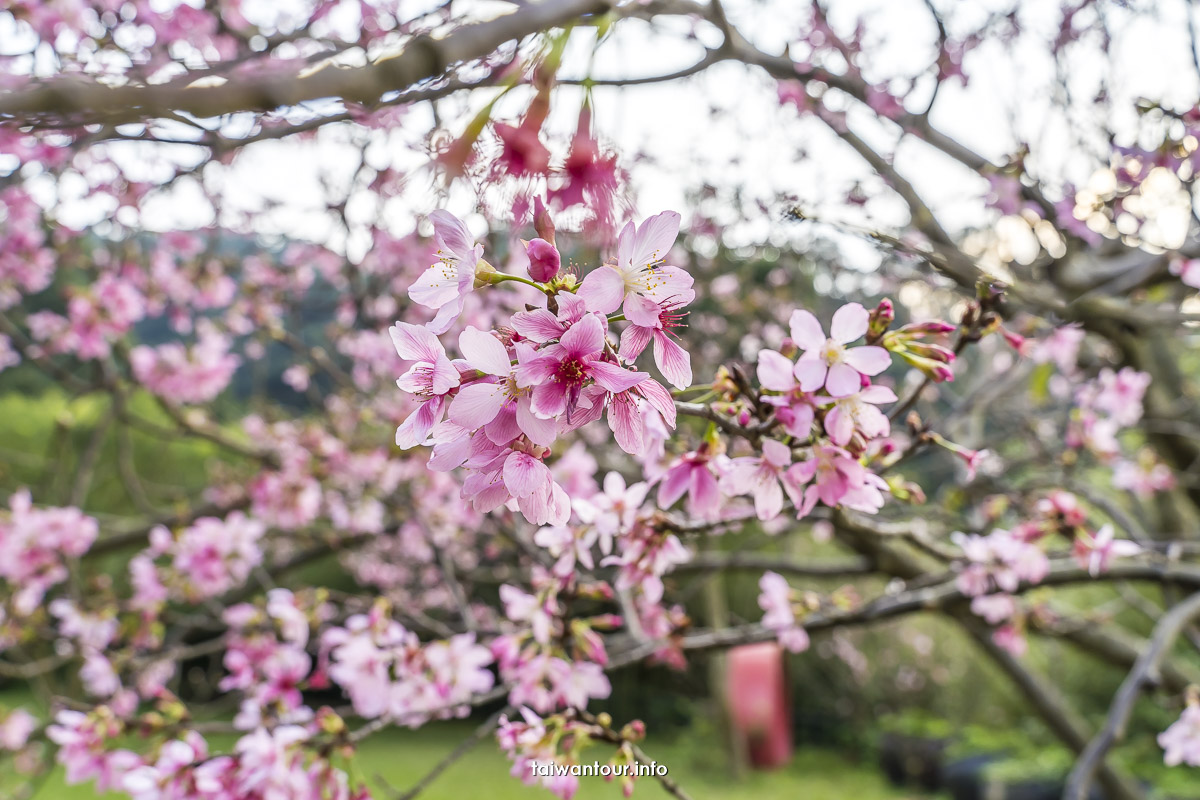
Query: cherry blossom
(826, 361)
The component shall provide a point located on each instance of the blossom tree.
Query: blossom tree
(517, 442)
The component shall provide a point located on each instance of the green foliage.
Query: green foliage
(45, 439)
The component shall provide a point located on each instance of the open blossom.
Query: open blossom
(692, 475)
(858, 412)
(1095, 552)
(1144, 477)
(775, 599)
(560, 370)
(501, 408)
(15, 729)
(652, 320)
(827, 361)
(613, 510)
(430, 379)
(795, 408)
(213, 555)
(445, 285)
(764, 478)
(1181, 741)
(386, 671)
(1001, 560)
(639, 270)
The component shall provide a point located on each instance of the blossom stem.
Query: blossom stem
(500, 277)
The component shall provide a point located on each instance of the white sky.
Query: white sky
(725, 126)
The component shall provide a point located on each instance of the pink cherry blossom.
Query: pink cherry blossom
(1095, 552)
(775, 599)
(639, 269)
(858, 412)
(692, 475)
(445, 285)
(827, 361)
(560, 370)
(1181, 741)
(765, 478)
(430, 378)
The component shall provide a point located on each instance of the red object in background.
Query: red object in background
(757, 698)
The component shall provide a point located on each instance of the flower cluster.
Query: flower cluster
(184, 375)
(34, 543)
(499, 410)
(387, 671)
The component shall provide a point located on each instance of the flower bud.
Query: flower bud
(881, 319)
(542, 222)
(544, 260)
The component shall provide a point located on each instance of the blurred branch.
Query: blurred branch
(1147, 671)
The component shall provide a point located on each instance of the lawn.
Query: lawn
(402, 758)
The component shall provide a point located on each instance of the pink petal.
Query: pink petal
(537, 371)
(504, 428)
(453, 237)
(437, 286)
(798, 420)
(843, 380)
(777, 454)
(674, 484)
(642, 311)
(626, 425)
(476, 405)
(446, 315)
(584, 337)
(415, 343)
(652, 241)
(839, 425)
(704, 498)
(868, 360)
(877, 394)
(602, 290)
(613, 378)
(414, 430)
(444, 377)
(671, 283)
(484, 352)
(539, 325)
(849, 323)
(810, 372)
(872, 422)
(540, 431)
(775, 371)
(659, 399)
(524, 474)
(633, 341)
(673, 361)
(806, 330)
(768, 500)
(549, 399)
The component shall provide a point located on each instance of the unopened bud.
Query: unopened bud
(542, 222)
(544, 260)
(880, 320)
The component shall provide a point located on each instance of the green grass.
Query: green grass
(402, 757)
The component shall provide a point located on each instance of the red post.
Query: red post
(757, 697)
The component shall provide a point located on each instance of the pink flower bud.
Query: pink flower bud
(544, 260)
(542, 222)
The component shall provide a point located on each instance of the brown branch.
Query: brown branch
(422, 58)
(1146, 672)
